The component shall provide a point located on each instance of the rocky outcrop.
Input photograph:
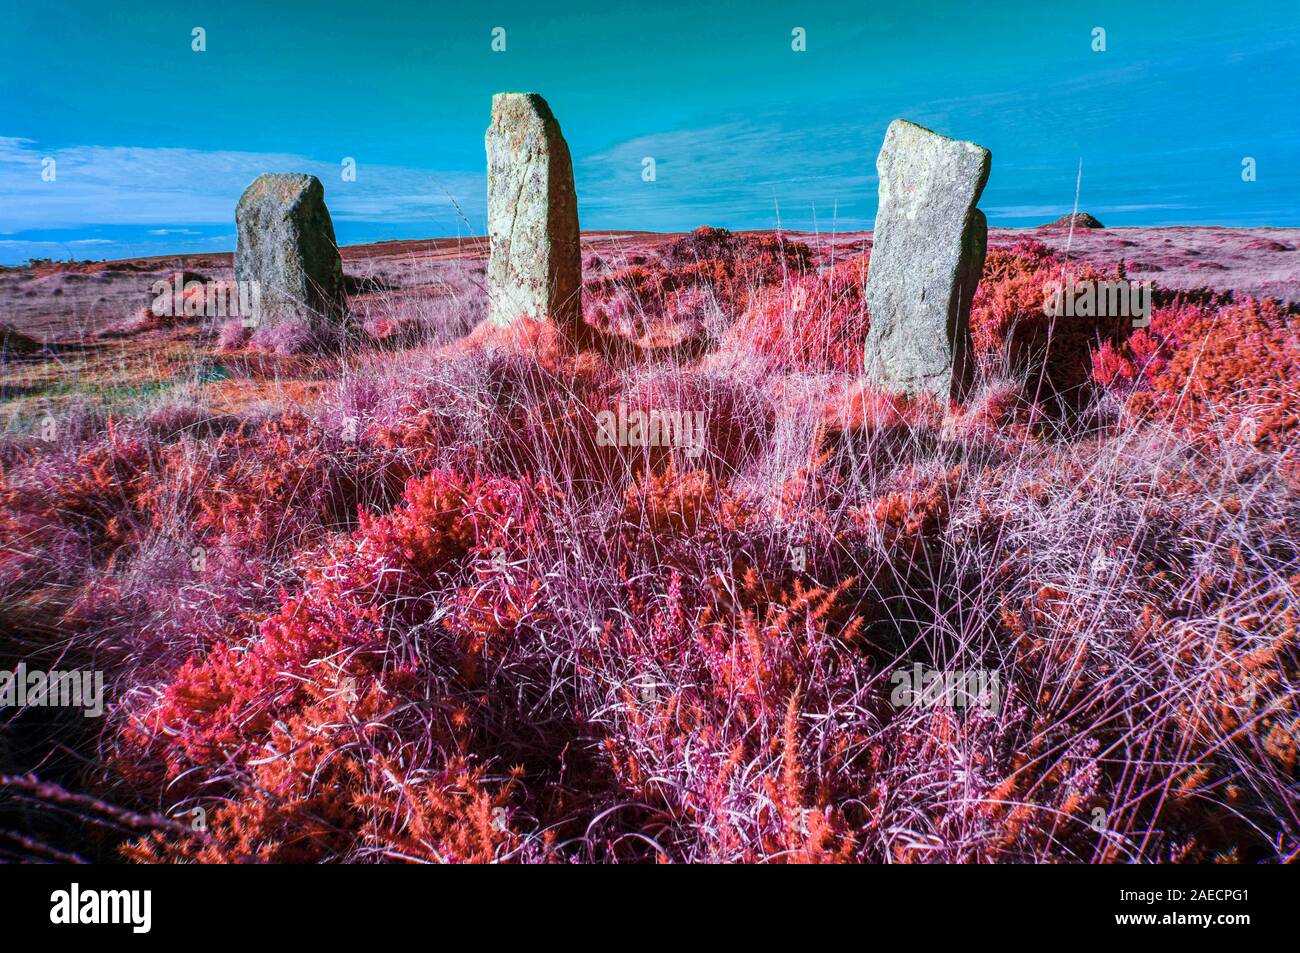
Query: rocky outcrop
(1077, 219)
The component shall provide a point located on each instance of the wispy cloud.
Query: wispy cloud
(125, 185)
(738, 171)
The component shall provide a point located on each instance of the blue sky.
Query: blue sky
(154, 142)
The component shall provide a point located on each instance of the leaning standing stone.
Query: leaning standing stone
(286, 244)
(926, 258)
(535, 263)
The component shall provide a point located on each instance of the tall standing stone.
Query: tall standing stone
(535, 264)
(926, 258)
(286, 244)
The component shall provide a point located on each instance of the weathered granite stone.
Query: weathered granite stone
(926, 258)
(286, 244)
(535, 265)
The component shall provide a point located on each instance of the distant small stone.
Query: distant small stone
(1080, 219)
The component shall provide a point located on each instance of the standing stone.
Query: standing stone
(535, 264)
(286, 244)
(926, 258)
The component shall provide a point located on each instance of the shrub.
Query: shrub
(435, 620)
(1219, 372)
